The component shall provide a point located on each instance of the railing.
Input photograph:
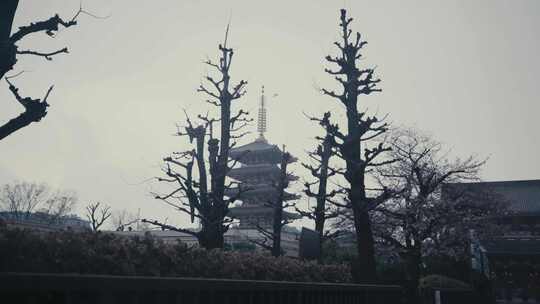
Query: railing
(451, 296)
(101, 289)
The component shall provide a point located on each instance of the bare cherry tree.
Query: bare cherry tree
(351, 141)
(199, 179)
(423, 219)
(34, 108)
(97, 214)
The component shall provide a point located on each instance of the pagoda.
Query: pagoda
(258, 174)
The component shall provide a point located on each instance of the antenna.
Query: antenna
(226, 34)
(261, 124)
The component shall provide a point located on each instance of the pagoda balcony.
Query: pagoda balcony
(261, 193)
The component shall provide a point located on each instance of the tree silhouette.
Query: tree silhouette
(272, 238)
(351, 145)
(422, 219)
(97, 215)
(200, 178)
(321, 170)
(34, 108)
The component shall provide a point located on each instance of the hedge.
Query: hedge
(105, 253)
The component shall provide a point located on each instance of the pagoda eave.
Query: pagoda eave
(243, 211)
(265, 193)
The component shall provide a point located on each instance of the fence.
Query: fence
(451, 296)
(101, 289)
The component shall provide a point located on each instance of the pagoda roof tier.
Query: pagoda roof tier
(266, 191)
(244, 211)
(258, 151)
(269, 172)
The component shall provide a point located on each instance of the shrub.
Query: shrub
(104, 253)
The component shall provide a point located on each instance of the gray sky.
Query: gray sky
(464, 71)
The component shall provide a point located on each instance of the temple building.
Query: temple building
(511, 260)
(258, 176)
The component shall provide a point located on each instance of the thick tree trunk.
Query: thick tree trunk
(319, 227)
(15, 124)
(276, 241)
(7, 49)
(320, 216)
(366, 267)
(211, 237)
(7, 13)
(413, 260)
(356, 177)
(278, 206)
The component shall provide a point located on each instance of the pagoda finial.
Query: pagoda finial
(261, 124)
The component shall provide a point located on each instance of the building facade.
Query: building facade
(511, 260)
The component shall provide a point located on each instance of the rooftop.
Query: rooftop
(512, 246)
(523, 196)
(260, 148)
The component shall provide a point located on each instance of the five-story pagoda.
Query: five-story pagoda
(258, 176)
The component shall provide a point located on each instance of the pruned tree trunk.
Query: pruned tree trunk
(278, 206)
(201, 189)
(352, 143)
(211, 236)
(325, 199)
(7, 49)
(272, 237)
(34, 108)
(366, 253)
(413, 260)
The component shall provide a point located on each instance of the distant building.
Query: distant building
(511, 260)
(43, 221)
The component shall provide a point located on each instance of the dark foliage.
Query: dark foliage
(105, 253)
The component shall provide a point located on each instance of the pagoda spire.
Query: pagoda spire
(261, 123)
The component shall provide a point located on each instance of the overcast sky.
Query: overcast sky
(464, 71)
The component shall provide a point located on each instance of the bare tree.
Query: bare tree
(272, 238)
(34, 109)
(97, 214)
(351, 144)
(421, 220)
(124, 220)
(325, 208)
(199, 179)
(58, 205)
(23, 199)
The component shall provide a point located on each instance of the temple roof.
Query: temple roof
(512, 246)
(260, 148)
(270, 172)
(267, 190)
(523, 196)
(260, 144)
(257, 211)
